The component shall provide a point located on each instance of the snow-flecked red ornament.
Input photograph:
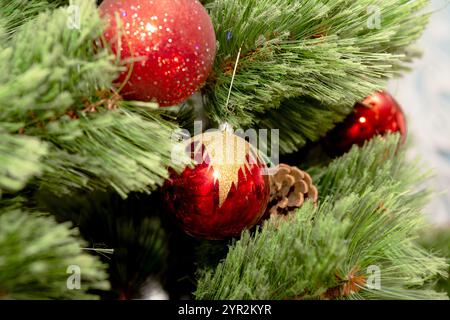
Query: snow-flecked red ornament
(377, 114)
(226, 192)
(172, 42)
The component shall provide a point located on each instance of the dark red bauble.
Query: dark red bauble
(215, 201)
(173, 44)
(377, 114)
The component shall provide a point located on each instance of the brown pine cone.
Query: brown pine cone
(289, 188)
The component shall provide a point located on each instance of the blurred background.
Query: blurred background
(424, 94)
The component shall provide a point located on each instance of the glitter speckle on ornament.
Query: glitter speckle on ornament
(172, 42)
(225, 193)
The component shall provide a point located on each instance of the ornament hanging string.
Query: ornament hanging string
(226, 126)
(192, 195)
(232, 78)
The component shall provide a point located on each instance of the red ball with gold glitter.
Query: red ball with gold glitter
(225, 193)
(377, 114)
(172, 44)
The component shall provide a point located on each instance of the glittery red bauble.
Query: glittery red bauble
(173, 42)
(215, 201)
(377, 114)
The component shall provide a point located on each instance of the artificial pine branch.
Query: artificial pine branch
(369, 215)
(300, 120)
(131, 227)
(438, 240)
(119, 149)
(48, 68)
(303, 65)
(321, 50)
(35, 254)
(52, 79)
(20, 160)
(284, 260)
(14, 13)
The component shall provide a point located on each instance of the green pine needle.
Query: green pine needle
(369, 215)
(36, 254)
(328, 51)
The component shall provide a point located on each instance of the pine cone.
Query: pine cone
(289, 188)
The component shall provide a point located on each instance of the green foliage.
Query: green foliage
(47, 67)
(20, 157)
(322, 50)
(369, 215)
(50, 77)
(282, 261)
(302, 120)
(65, 131)
(16, 12)
(121, 149)
(438, 240)
(35, 254)
(130, 227)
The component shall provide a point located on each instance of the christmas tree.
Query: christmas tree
(95, 98)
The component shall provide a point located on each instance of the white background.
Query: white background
(425, 97)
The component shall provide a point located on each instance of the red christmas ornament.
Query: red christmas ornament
(173, 42)
(377, 114)
(225, 193)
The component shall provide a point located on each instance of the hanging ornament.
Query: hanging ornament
(377, 114)
(225, 193)
(172, 42)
